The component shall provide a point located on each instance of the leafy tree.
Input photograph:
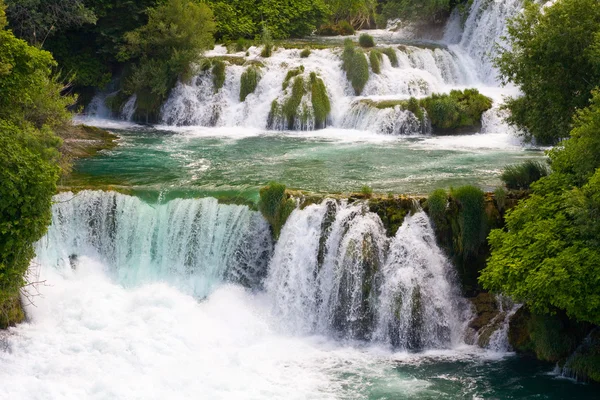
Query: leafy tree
(165, 49)
(549, 254)
(36, 20)
(435, 11)
(553, 57)
(31, 108)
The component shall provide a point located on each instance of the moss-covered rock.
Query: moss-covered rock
(391, 54)
(11, 311)
(549, 337)
(320, 101)
(355, 64)
(392, 211)
(218, 73)
(375, 59)
(249, 81)
(276, 206)
(292, 73)
(584, 363)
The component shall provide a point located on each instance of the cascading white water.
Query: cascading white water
(420, 72)
(335, 272)
(420, 305)
(483, 31)
(194, 244)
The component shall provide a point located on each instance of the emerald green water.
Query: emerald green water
(226, 161)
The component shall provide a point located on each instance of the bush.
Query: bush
(166, 55)
(305, 53)
(320, 101)
(375, 58)
(471, 218)
(345, 29)
(356, 66)
(218, 74)
(275, 206)
(459, 109)
(366, 191)
(391, 54)
(267, 41)
(436, 207)
(500, 198)
(241, 45)
(248, 82)
(292, 73)
(366, 40)
(342, 28)
(292, 103)
(521, 176)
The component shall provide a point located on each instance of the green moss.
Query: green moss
(320, 101)
(366, 191)
(375, 58)
(366, 40)
(550, 337)
(391, 54)
(343, 28)
(11, 310)
(275, 206)
(305, 53)
(241, 45)
(292, 73)
(218, 72)
(521, 176)
(500, 196)
(356, 66)
(115, 101)
(459, 109)
(436, 207)
(585, 362)
(249, 81)
(291, 104)
(471, 218)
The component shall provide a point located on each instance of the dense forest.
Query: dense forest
(54, 54)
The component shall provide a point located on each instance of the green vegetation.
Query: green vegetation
(555, 60)
(448, 113)
(548, 254)
(342, 28)
(31, 111)
(471, 218)
(433, 11)
(391, 54)
(436, 206)
(521, 176)
(366, 191)
(320, 101)
(218, 73)
(267, 41)
(292, 73)
(292, 104)
(366, 40)
(249, 81)
(164, 50)
(246, 18)
(459, 109)
(375, 58)
(356, 66)
(275, 206)
(305, 53)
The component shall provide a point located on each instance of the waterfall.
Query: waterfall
(420, 72)
(335, 272)
(483, 31)
(420, 306)
(194, 244)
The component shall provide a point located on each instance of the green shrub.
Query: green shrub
(436, 207)
(471, 218)
(241, 45)
(291, 74)
(345, 28)
(375, 58)
(275, 206)
(458, 109)
(305, 53)
(320, 101)
(356, 66)
(291, 104)
(391, 54)
(218, 73)
(341, 28)
(521, 176)
(249, 81)
(366, 40)
(267, 41)
(366, 191)
(500, 198)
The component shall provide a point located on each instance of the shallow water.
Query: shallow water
(220, 160)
